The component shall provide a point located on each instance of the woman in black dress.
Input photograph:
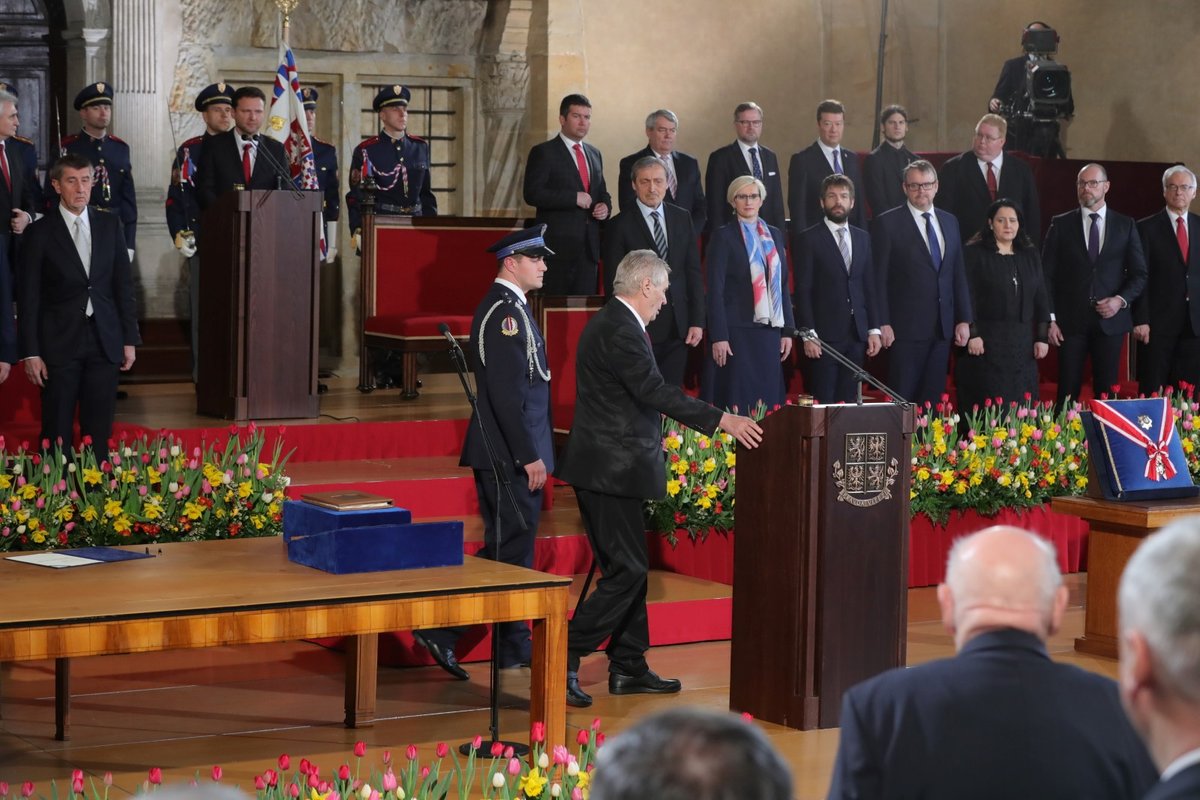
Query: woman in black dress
(1012, 315)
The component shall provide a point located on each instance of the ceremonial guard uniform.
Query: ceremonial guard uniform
(112, 188)
(325, 157)
(399, 167)
(24, 151)
(513, 382)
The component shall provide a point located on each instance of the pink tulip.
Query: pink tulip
(477, 742)
(108, 779)
(514, 766)
(538, 733)
(313, 781)
(508, 752)
(424, 773)
(561, 756)
(3, 784)
(577, 793)
(410, 752)
(77, 785)
(27, 789)
(387, 757)
(389, 781)
(293, 790)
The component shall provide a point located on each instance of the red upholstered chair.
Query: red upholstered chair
(417, 273)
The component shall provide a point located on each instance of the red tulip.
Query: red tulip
(259, 783)
(27, 789)
(155, 775)
(360, 749)
(293, 789)
(217, 772)
(410, 752)
(582, 737)
(3, 784)
(497, 749)
(424, 774)
(442, 750)
(343, 772)
(306, 767)
(746, 715)
(538, 733)
(77, 785)
(599, 739)
(285, 761)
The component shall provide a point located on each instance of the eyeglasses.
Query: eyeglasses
(924, 187)
(1179, 187)
(1089, 184)
(983, 137)
(743, 198)
(750, 122)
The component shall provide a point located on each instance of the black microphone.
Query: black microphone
(444, 329)
(806, 334)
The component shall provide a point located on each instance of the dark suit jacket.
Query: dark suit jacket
(916, 300)
(1173, 288)
(551, 183)
(1011, 84)
(883, 177)
(615, 445)
(999, 720)
(628, 231)
(730, 295)
(514, 401)
(21, 196)
(726, 164)
(55, 289)
(689, 195)
(805, 172)
(1072, 280)
(1182, 786)
(828, 298)
(962, 190)
(220, 167)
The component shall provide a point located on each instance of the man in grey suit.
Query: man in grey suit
(614, 460)
(1000, 719)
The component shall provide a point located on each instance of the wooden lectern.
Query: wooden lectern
(820, 574)
(259, 267)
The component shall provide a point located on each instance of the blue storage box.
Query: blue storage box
(344, 542)
(1135, 452)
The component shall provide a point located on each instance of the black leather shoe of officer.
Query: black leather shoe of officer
(649, 683)
(444, 656)
(576, 697)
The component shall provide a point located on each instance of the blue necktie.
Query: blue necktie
(755, 165)
(837, 163)
(1094, 238)
(935, 249)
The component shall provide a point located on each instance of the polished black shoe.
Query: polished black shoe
(444, 656)
(649, 683)
(576, 697)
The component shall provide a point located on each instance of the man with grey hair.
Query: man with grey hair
(683, 171)
(1169, 350)
(1159, 605)
(691, 754)
(1000, 719)
(614, 460)
(744, 156)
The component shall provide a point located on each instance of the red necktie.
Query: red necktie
(1182, 237)
(991, 181)
(246, 162)
(4, 166)
(581, 162)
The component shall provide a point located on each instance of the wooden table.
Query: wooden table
(245, 591)
(1117, 529)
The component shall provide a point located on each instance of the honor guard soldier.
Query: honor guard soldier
(512, 379)
(325, 156)
(24, 151)
(112, 183)
(215, 104)
(397, 161)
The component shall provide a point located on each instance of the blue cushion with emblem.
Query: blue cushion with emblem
(1135, 451)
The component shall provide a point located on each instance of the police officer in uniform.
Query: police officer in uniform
(513, 382)
(112, 184)
(215, 104)
(24, 151)
(396, 160)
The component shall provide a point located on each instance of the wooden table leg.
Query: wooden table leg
(362, 672)
(62, 699)
(548, 679)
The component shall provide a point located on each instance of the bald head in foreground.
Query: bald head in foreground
(1000, 719)
(1160, 653)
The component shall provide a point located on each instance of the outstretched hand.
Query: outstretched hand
(744, 429)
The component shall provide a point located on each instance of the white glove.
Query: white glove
(131, 256)
(189, 248)
(331, 238)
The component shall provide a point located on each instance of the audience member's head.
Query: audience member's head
(642, 279)
(691, 754)
(1002, 577)
(748, 122)
(1179, 187)
(893, 123)
(1159, 603)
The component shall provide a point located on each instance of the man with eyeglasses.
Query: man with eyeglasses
(744, 156)
(973, 180)
(1170, 338)
(922, 299)
(1095, 268)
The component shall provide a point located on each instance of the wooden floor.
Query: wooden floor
(241, 707)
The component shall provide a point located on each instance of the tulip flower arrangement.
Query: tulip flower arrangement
(144, 491)
(548, 773)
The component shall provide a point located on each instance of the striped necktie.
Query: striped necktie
(660, 236)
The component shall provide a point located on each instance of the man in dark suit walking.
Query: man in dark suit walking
(835, 294)
(16, 212)
(1166, 319)
(78, 318)
(745, 156)
(651, 223)
(236, 158)
(513, 383)
(883, 168)
(1000, 719)
(614, 460)
(1095, 268)
(564, 181)
(1159, 603)
(808, 169)
(683, 171)
(922, 296)
(971, 181)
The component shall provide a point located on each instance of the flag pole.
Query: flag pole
(286, 7)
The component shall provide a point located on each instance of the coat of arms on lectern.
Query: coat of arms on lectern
(867, 476)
